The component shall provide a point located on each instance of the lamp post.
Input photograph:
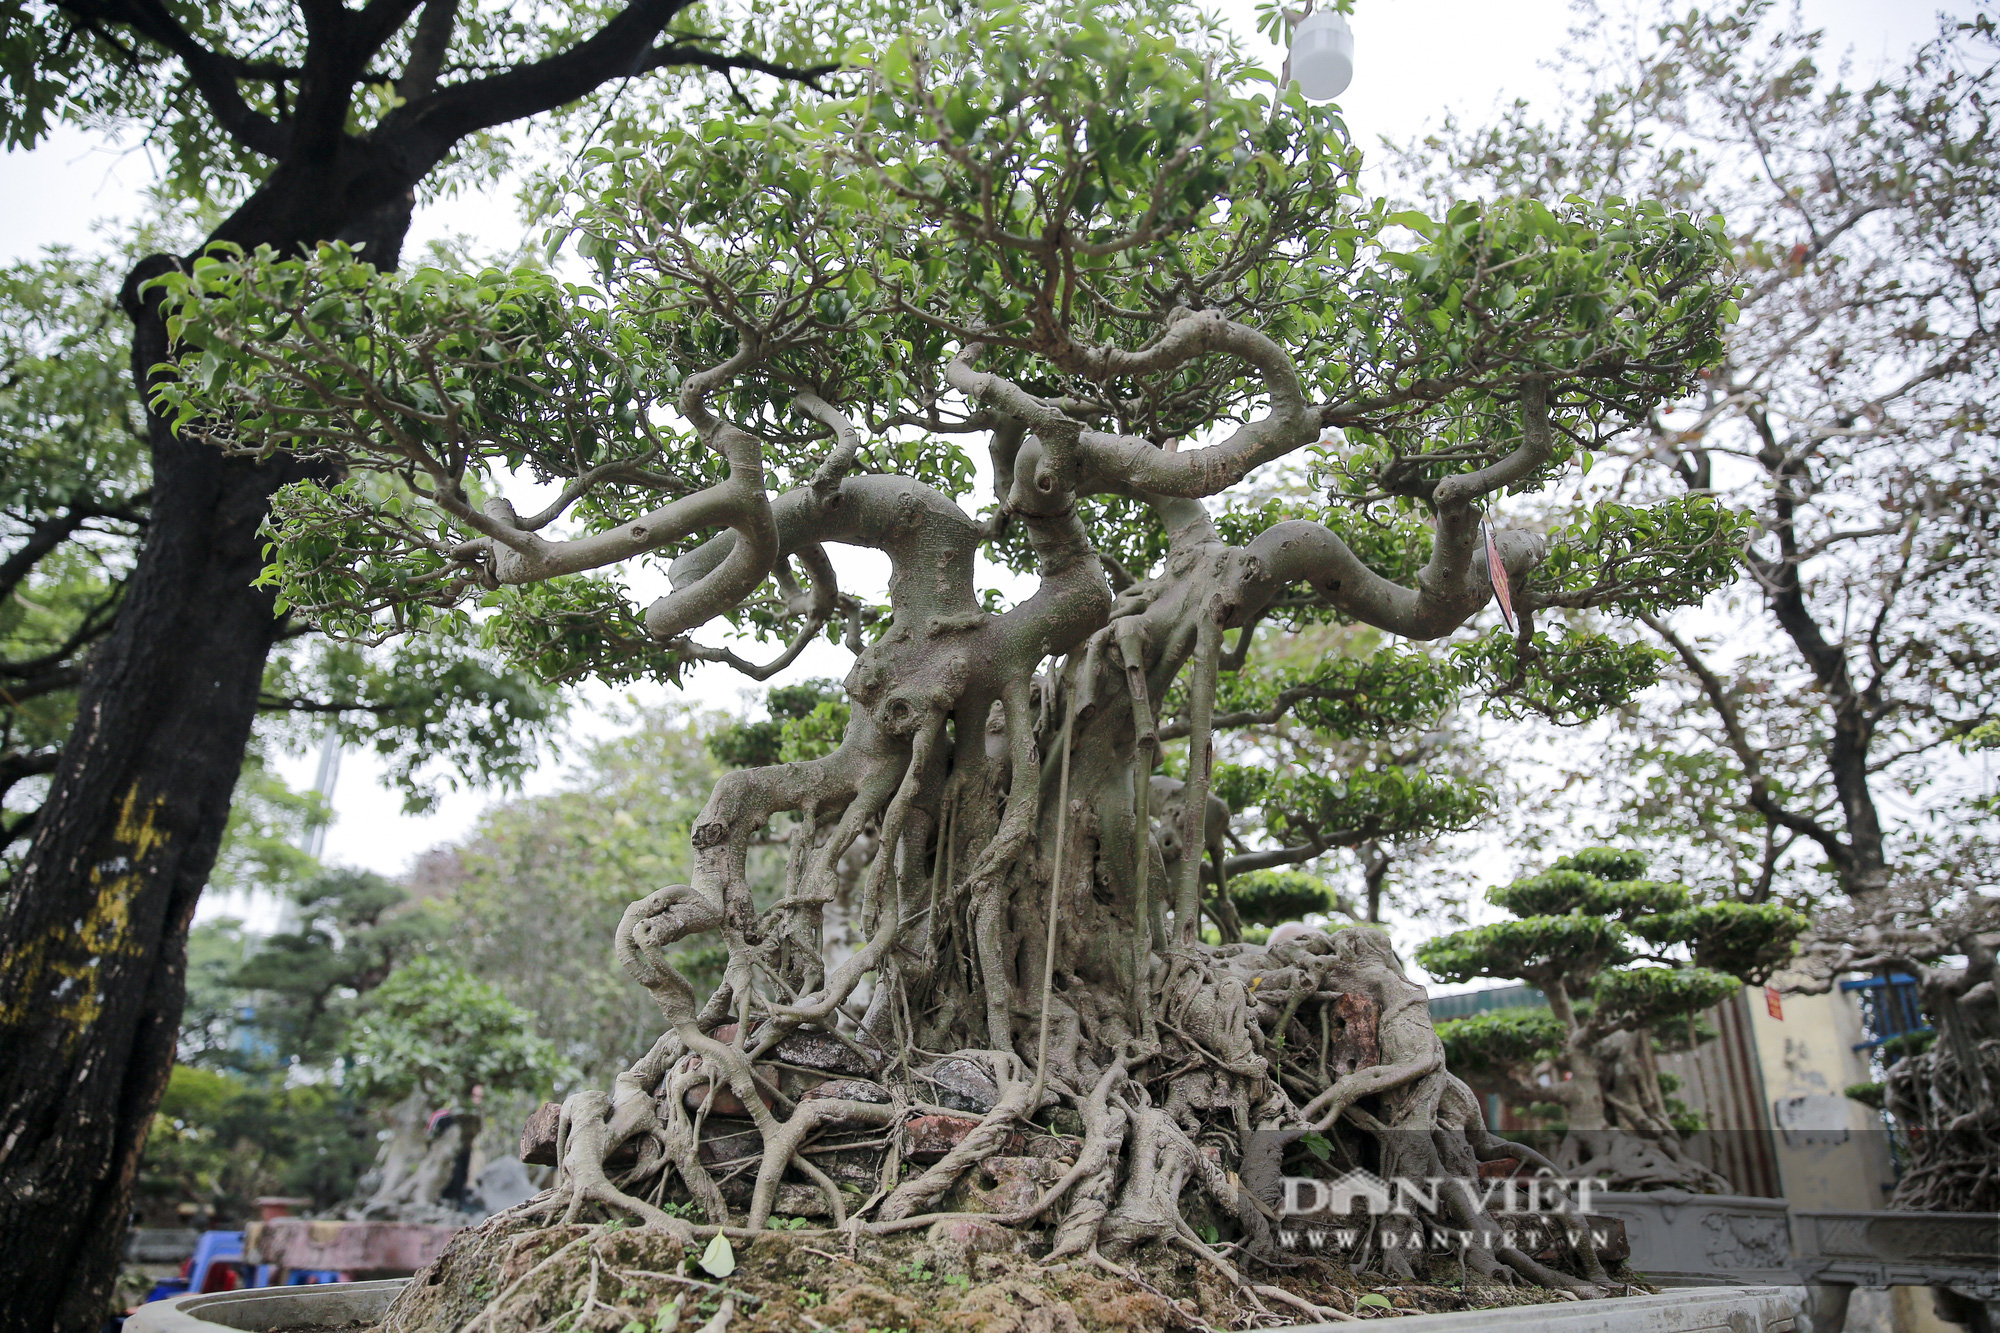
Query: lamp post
(1322, 54)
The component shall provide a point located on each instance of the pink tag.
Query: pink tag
(1773, 1004)
(1498, 573)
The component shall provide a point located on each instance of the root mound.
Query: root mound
(962, 1275)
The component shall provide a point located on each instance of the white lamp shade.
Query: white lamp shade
(1323, 55)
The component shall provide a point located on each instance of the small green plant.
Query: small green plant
(958, 1280)
(918, 1273)
(789, 1223)
(812, 1300)
(1376, 1301)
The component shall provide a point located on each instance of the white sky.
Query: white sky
(1413, 60)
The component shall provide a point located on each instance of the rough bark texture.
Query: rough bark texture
(94, 935)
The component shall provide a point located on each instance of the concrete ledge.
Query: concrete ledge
(262, 1308)
(1689, 1310)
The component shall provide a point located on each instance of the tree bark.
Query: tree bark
(93, 930)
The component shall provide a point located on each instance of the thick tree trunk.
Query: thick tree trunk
(93, 931)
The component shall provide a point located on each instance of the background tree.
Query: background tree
(301, 123)
(568, 862)
(1086, 242)
(1853, 420)
(1572, 939)
(433, 1038)
(259, 1100)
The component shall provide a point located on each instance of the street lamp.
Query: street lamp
(1322, 55)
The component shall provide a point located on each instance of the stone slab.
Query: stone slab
(296, 1242)
(538, 1136)
(263, 1308)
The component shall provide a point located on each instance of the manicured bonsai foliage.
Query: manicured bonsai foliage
(1579, 928)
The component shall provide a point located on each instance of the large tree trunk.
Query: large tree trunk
(93, 932)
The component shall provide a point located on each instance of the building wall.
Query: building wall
(1832, 1151)
(1723, 1080)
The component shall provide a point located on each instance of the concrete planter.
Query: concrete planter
(1958, 1252)
(262, 1308)
(1693, 1310)
(1713, 1238)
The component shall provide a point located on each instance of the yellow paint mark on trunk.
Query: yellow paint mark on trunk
(68, 959)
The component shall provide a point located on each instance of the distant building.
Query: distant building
(1771, 1087)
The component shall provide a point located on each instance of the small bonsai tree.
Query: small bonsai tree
(434, 1038)
(1593, 1052)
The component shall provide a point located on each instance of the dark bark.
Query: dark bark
(93, 929)
(1862, 863)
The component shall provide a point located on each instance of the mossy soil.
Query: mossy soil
(610, 1279)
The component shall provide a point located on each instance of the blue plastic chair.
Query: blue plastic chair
(165, 1287)
(214, 1247)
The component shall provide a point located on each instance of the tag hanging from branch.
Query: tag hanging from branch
(1498, 573)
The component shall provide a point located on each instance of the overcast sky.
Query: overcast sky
(1413, 60)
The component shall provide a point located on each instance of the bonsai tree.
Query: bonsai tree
(432, 1038)
(1578, 926)
(1133, 275)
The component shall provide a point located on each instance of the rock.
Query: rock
(929, 1137)
(538, 1136)
(813, 1049)
(1357, 1045)
(720, 1143)
(823, 1051)
(954, 1240)
(1052, 1148)
(1063, 1120)
(1002, 1185)
(500, 1185)
(725, 1102)
(958, 1084)
(796, 1200)
(972, 1235)
(858, 1167)
(848, 1090)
